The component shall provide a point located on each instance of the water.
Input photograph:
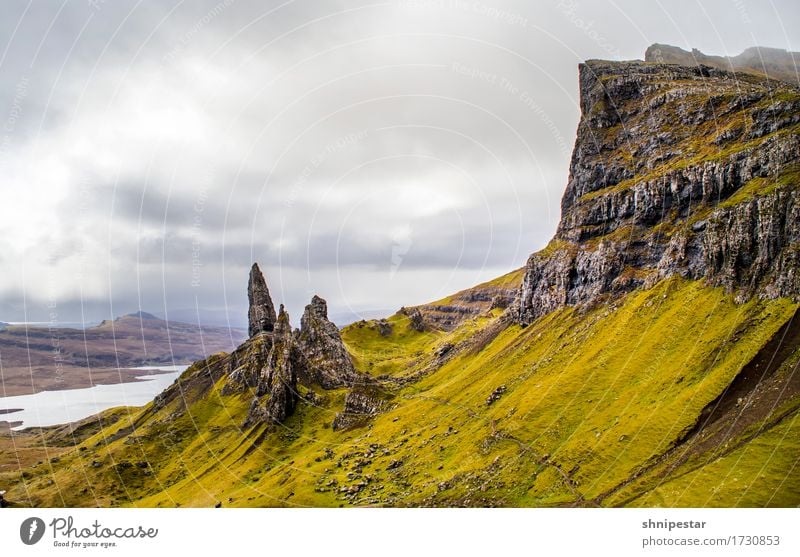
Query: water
(60, 407)
(53, 324)
(160, 368)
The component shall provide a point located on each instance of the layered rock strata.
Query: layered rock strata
(680, 170)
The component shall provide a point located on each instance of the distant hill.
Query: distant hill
(144, 315)
(39, 358)
(774, 63)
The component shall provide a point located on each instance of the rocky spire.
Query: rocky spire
(262, 313)
(282, 325)
(278, 378)
(328, 362)
(283, 391)
(313, 356)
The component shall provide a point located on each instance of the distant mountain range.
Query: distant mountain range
(774, 63)
(42, 358)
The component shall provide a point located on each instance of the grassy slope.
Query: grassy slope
(591, 398)
(760, 473)
(393, 354)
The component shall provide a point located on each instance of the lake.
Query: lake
(60, 407)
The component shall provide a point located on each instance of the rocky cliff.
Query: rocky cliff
(676, 170)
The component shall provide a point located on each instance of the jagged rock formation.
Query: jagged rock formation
(278, 377)
(363, 402)
(261, 315)
(328, 362)
(772, 62)
(676, 170)
(274, 362)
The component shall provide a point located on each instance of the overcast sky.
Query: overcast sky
(377, 153)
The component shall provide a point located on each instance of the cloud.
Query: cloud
(379, 155)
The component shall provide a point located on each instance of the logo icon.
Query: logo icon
(32, 530)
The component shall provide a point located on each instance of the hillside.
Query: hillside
(647, 357)
(39, 358)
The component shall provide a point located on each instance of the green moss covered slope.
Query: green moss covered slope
(582, 407)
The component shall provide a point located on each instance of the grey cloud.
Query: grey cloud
(382, 155)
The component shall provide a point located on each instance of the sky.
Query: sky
(377, 153)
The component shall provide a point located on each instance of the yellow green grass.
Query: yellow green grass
(591, 397)
(761, 473)
(387, 354)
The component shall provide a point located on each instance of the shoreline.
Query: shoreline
(21, 382)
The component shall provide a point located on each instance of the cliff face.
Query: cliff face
(689, 171)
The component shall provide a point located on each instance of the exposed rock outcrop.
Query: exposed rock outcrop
(676, 170)
(363, 402)
(261, 315)
(328, 362)
(415, 319)
(275, 362)
(278, 377)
